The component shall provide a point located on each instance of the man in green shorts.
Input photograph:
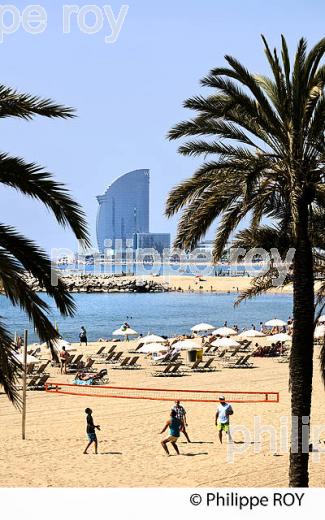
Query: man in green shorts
(224, 410)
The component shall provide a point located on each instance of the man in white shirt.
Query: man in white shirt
(224, 410)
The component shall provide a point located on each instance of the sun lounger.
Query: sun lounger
(132, 365)
(206, 367)
(115, 358)
(99, 352)
(244, 363)
(170, 371)
(231, 363)
(135, 350)
(196, 364)
(39, 384)
(123, 363)
(172, 359)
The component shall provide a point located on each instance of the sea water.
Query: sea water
(160, 313)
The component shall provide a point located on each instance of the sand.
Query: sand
(219, 284)
(130, 454)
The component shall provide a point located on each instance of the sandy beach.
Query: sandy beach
(130, 454)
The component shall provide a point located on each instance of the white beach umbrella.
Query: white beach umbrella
(31, 360)
(225, 342)
(152, 347)
(279, 337)
(224, 331)
(202, 327)
(152, 338)
(59, 343)
(125, 332)
(186, 344)
(319, 332)
(321, 319)
(252, 333)
(275, 323)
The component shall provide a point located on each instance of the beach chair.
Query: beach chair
(101, 378)
(106, 359)
(229, 363)
(40, 383)
(30, 384)
(115, 358)
(99, 352)
(195, 365)
(171, 359)
(30, 370)
(174, 371)
(133, 351)
(159, 373)
(88, 366)
(123, 363)
(132, 365)
(206, 367)
(244, 363)
(42, 368)
(76, 361)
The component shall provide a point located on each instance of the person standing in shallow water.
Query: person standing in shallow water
(83, 336)
(91, 431)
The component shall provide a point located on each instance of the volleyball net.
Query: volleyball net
(160, 394)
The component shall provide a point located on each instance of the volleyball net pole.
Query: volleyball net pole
(23, 425)
(160, 394)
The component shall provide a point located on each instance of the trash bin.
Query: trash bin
(191, 355)
(199, 354)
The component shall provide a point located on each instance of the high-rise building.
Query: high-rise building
(156, 241)
(123, 210)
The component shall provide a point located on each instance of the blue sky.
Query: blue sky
(128, 94)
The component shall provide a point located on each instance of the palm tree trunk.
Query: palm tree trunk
(301, 359)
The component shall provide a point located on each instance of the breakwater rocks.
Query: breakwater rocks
(105, 284)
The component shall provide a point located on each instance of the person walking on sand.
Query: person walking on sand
(174, 425)
(224, 410)
(91, 431)
(181, 416)
(83, 336)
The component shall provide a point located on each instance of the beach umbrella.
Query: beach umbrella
(275, 323)
(125, 332)
(152, 338)
(321, 319)
(279, 337)
(319, 332)
(224, 331)
(152, 347)
(202, 327)
(225, 342)
(251, 334)
(31, 360)
(186, 344)
(59, 343)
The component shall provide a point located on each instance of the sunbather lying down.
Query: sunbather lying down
(89, 379)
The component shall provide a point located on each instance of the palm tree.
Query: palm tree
(19, 254)
(267, 138)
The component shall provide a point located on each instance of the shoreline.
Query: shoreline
(103, 283)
